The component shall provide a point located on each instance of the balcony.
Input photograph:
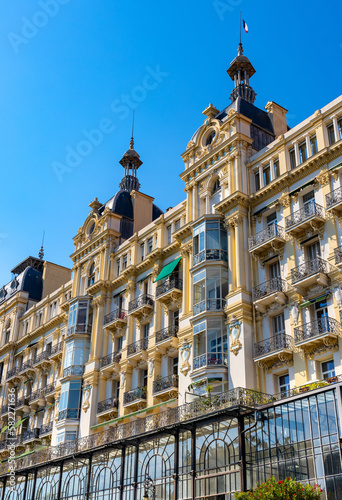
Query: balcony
(338, 255)
(56, 351)
(110, 364)
(26, 366)
(333, 200)
(36, 397)
(21, 402)
(48, 390)
(79, 329)
(31, 435)
(12, 373)
(73, 370)
(141, 307)
(270, 237)
(310, 216)
(116, 321)
(209, 255)
(4, 409)
(324, 330)
(135, 396)
(46, 429)
(210, 359)
(167, 386)
(311, 272)
(72, 413)
(43, 359)
(270, 349)
(137, 350)
(269, 292)
(209, 305)
(109, 404)
(170, 292)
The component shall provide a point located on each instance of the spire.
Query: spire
(240, 71)
(41, 251)
(131, 162)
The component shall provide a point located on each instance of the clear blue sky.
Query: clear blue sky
(77, 68)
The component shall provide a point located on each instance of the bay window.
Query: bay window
(209, 242)
(210, 343)
(210, 288)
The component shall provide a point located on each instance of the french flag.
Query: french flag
(245, 27)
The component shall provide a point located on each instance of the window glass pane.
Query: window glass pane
(213, 240)
(313, 144)
(276, 169)
(74, 398)
(257, 181)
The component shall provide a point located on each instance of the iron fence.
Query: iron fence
(142, 300)
(275, 343)
(135, 395)
(115, 315)
(334, 197)
(214, 254)
(114, 357)
(169, 284)
(309, 210)
(162, 384)
(209, 305)
(270, 232)
(309, 268)
(338, 255)
(271, 286)
(107, 404)
(166, 333)
(320, 326)
(138, 346)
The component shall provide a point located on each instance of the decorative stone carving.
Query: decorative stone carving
(323, 178)
(294, 311)
(150, 367)
(285, 200)
(122, 380)
(338, 296)
(185, 355)
(234, 333)
(86, 397)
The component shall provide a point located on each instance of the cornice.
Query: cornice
(232, 201)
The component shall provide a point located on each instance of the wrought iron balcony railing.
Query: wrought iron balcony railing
(273, 285)
(169, 284)
(135, 395)
(72, 413)
(140, 345)
(48, 390)
(43, 356)
(73, 370)
(334, 197)
(46, 429)
(162, 384)
(270, 232)
(107, 404)
(81, 329)
(316, 328)
(210, 359)
(166, 333)
(34, 395)
(13, 372)
(338, 255)
(309, 210)
(142, 300)
(275, 343)
(209, 305)
(21, 401)
(114, 315)
(309, 268)
(56, 349)
(28, 435)
(25, 366)
(215, 254)
(114, 357)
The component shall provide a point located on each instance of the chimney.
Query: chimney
(277, 115)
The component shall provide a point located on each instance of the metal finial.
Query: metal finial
(41, 251)
(132, 138)
(240, 49)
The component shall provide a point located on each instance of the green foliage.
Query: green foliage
(289, 489)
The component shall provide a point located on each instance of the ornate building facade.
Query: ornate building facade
(194, 352)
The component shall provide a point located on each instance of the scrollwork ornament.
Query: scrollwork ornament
(185, 355)
(234, 334)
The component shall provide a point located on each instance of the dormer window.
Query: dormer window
(210, 138)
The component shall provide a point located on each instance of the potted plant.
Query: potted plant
(289, 488)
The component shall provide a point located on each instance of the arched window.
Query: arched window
(210, 138)
(91, 275)
(216, 187)
(47, 491)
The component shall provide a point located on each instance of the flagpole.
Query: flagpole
(240, 26)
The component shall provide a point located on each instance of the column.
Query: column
(186, 283)
(336, 134)
(308, 145)
(272, 169)
(97, 329)
(240, 254)
(231, 257)
(237, 171)
(296, 148)
(261, 176)
(194, 201)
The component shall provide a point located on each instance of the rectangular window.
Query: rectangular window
(313, 144)
(274, 270)
(284, 384)
(267, 175)
(331, 134)
(308, 197)
(177, 225)
(169, 234)
(302, 152)
(149, 245)
(257, 181)
(313, 251)
(321, 309)
(276, 169)
(175, 366)
(292, 158)
(118, 268)
(271, 219)
(328, 369)
(124, 261)
(142, 249)
(278, 324)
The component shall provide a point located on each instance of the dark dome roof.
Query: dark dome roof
(122, 204)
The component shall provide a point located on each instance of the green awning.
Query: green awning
(313, 301)
(4, 429)
(20, 350)
(168, 269)
(144, 278)
(34, 342)
(19, 422)
(310, 183)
